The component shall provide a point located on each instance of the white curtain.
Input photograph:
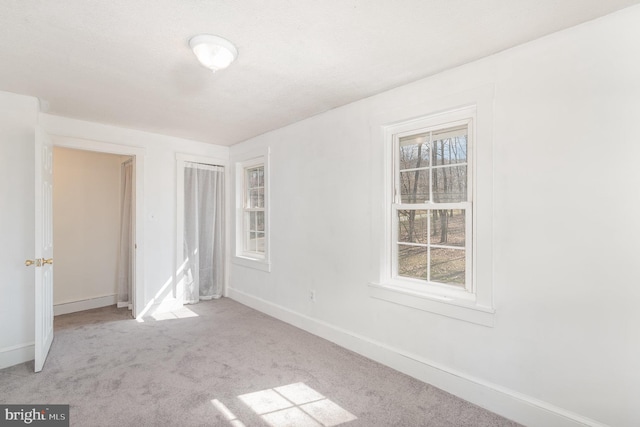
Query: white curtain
(125, 253)
(203, 232)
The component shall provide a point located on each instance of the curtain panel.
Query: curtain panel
(125, 251)
(203, 232)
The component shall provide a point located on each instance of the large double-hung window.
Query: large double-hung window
(432, 207)
(436, 248)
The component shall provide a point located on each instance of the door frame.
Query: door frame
(181, 159)
(138, 155)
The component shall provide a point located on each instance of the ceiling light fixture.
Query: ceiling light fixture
(213, 52)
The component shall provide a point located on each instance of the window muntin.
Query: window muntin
(432, 206)
(254, 211)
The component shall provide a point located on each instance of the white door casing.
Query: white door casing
(138, 154)
(43, 247)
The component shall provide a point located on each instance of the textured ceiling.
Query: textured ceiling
(127, 62)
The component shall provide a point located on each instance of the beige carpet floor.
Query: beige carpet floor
(220, 363)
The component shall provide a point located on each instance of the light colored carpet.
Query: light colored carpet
(220, 363)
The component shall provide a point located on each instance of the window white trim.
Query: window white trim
(260, 261)
(475, 303)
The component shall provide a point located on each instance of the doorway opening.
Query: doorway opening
(93, 230)
(137, 156)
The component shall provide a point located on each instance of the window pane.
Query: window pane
(450, 184)
(253, 198)
(447, 227)
(261, 177)
(414, 151)
(414, 186)
(447, 266)
(256, 198)
(259, 221)
(251, 178)
(260, 202)
(412, 261)
(252, 221)
(412, 226)
(450, 146)
(255, 177)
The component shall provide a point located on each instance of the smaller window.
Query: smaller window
(252, 212)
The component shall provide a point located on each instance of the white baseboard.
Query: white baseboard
(16, 354)
(500, 400)
(87, 304)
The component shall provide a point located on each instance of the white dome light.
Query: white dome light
(213, 52)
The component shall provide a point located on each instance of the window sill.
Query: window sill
(258, 264)
(466, 310)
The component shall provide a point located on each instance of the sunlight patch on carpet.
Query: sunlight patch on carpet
(180, 313)
(296, 405)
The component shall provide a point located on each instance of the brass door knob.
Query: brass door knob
(29, 262)
(47, 261)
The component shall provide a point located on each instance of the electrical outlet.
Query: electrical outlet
(312, 296)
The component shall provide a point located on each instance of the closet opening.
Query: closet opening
(93, 230)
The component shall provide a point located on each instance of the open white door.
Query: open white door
(44, 247)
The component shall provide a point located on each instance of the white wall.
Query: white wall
(564, 349)
(86, 225)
